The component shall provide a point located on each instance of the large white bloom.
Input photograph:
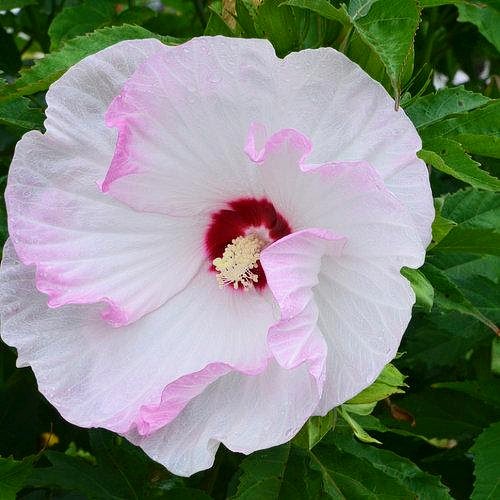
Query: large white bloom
(220, 235)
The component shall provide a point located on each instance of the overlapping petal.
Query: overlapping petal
(182, 120)
(353, 297)
(97, 375)
(350, 117)
(292, 265)
(347, 198)
(244, 413)
(87, 246)
(208, 93)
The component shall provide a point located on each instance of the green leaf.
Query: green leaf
(442, 414)
(477, 214)
(244, 18)
(389, 28)
(391, 376)
(424, 292)
(315, 429)
(262, 474)
(485, 17)
(449, 297)
(487, 463)
(476, 131)
(81, 19)
(371, 423)
(73, 474)
(357, 429)
(185, 494)
(406, 473)
(440, 228)
(472, 209)
(431, 108)
(21, 114)
(121, 471)
(216, 24)
(449, 157)
(483, 293)
(484, 121)
(360, 408)
(322, 7)
(461, 267)
(481, 144)
(123, 465)
(13, 476)
(135, 15)
(487, 390)
(277, 473)
(359, 8)
(436, 3)
(13, 4)
(442, 339)
(50, 68)
(91, 15)
(495, 356)
(465, 240)
(390, 381)
(347, 476)
(278, 24)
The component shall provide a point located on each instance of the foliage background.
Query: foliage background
(432, 435)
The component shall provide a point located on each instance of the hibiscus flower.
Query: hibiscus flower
(206, 243)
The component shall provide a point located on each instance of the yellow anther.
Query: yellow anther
(237, 262)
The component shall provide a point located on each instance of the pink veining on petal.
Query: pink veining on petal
(292, 265)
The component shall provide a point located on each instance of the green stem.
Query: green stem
(344, 38)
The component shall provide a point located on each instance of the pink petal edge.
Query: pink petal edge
(257, 134)
(120, 164)
(292, 266)
(179, 393)
(259, 147)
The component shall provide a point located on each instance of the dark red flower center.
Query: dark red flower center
(244, 217)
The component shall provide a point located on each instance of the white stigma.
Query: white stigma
(237, 262)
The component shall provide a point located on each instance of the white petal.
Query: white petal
(192, 105)
(183, 118)
(292, 265)
(87, 246)
(99, 376)
(347, 198)
(363, 304)
(350, 117)
(365, 307)
(245, 413)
